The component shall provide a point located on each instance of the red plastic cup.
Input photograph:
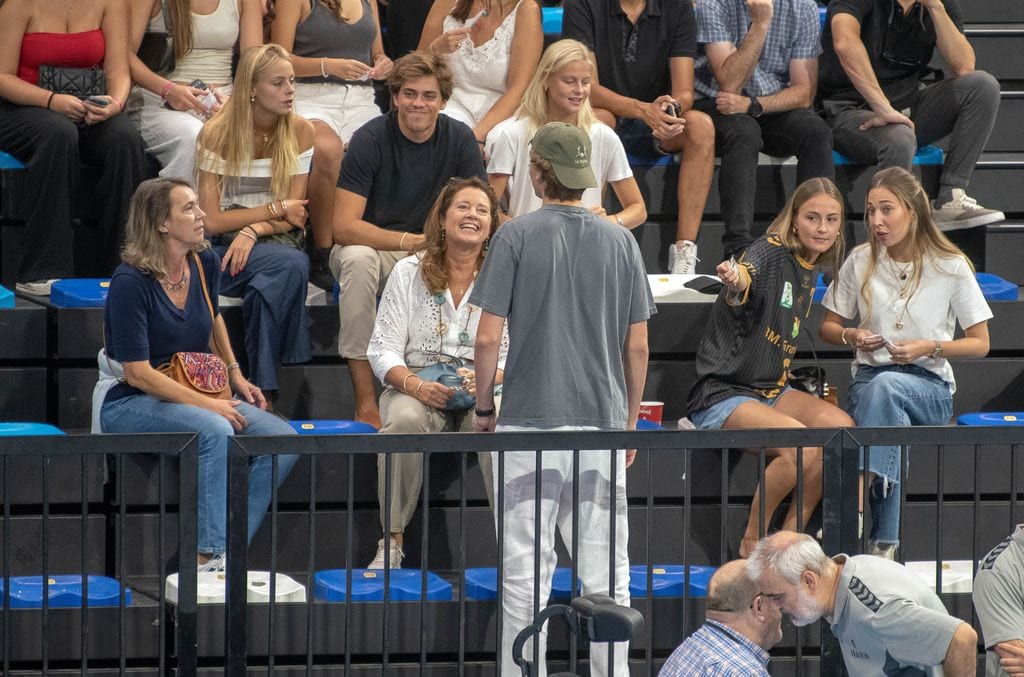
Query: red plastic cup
(651, 411)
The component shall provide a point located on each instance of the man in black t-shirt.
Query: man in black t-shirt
(875, 54)
(643, 87)
(393, 170)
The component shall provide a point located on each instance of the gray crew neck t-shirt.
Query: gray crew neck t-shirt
(888, 621)
(999, 597)
(570, 284)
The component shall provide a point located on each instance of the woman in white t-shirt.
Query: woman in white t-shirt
(560, 92)
(908, 286)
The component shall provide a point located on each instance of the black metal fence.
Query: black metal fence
(687, 494)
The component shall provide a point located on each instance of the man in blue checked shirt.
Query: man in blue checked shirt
(741, 626)
(755, 75)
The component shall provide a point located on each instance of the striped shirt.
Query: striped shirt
(716, 650)
(794, 34)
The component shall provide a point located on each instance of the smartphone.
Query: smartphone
(673, 109)
(889, 345)
(198, 84)
(98, 100)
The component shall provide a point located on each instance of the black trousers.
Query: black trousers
(53, 150)
(739, 138)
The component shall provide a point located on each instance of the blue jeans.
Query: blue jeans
(147, 414)
(895, 395)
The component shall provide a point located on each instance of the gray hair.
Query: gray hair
(788, 555)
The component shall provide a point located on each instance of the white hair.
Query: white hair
(788, 557)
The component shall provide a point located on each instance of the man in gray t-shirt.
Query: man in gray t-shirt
(886, 620)
(999, 601)
(575, 292)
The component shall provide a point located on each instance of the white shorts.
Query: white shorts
(343, 108)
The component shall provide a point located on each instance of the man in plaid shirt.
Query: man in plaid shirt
(755, 75)
(741, 626)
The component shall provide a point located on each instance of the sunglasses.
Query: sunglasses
(897, 51)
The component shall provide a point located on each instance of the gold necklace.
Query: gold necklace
(902, 284)
(180, 284)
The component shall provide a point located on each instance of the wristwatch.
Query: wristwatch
(756, 109)
(936, 351)
(484, 413)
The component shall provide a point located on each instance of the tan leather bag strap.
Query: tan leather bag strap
(209, 303)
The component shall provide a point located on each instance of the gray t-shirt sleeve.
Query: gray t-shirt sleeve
(642, 305)
(914, 634)
(999, 601)
(493, 288)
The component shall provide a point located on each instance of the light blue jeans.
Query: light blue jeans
(895, 395)
(147, 414)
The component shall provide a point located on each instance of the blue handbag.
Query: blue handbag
(444, 372)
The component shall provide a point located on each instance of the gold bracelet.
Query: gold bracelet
(273, 209)
(843, 336)
(405, 382)
(233, 365)
(401, 243)
(249, 235)
(284, 210)
(418, 386)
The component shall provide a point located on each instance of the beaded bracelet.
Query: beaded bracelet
(323, 70)
(166, 90)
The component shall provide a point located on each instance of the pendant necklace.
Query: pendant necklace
(899, 276)
(179, 285)
(442, 327)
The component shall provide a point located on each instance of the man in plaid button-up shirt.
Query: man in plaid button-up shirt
(755, 74)
(741, 626)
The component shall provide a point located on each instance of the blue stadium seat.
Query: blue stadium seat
(926, 155)
(368, 585)
(6, 297)
(12, 429)
(80, 292)
(8, 161)
(667, 580)
(332, 427)
(63, 591)
(552, 21)
(482, 583)
(996, 288)
(985, 418)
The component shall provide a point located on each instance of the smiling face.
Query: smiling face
(274, 89)
(568, 88)
(817, 225)
(184, 225)
(467, 222)
(889, 221)
(418, 103)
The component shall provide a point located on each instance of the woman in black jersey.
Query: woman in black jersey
(744, 357)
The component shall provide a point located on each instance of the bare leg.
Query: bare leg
(323, 180)
(697, 143)
(365, 392)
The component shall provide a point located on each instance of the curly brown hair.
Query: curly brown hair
(433, 265)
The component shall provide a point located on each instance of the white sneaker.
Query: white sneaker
(35, 288)
(963, 211)
(215, 564)
(883, 550)
(396, 555)
(682, 259)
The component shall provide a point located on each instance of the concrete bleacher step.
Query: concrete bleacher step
(993, 11)
(1008, 133)
(993, 43)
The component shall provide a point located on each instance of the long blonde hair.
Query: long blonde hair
(928, 244)
(433, 266)
(535, 100)
(229, 133)
(784, 225)
(144, 243)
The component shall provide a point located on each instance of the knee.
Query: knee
(408, 419)
(739, 133)
(899, 148)
(700, 132)
(815, 133)
(354, 262)
(214, 432)
(328, 153)
(61, 134)
(981, 84)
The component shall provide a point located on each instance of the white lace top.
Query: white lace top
(480, 71)
(413, 325)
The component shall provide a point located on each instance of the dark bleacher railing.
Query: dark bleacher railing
(67, 527)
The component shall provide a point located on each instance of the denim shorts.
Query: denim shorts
(714, 417)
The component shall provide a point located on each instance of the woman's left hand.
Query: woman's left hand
(237, 254)
(382, 66)
(95, 114)
(468, 379)
(906, 352)
(246, 391)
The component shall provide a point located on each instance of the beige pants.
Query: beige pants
(401, 413)
(361, 273)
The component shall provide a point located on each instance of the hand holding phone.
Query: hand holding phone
(100, 101)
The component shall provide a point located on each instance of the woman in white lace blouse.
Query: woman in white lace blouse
(493, 47)
(425, 314)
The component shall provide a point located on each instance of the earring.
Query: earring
(252, 98)
(442, 234)
(487, 244)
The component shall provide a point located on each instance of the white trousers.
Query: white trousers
(556, 511)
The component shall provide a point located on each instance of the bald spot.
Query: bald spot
(730, 589)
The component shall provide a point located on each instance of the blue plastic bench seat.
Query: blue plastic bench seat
(996, 288)
(80, 293)
(482, 583)
(8, 161)
(991, 418)
(13, 428)
(551, 18)
(6, 297)
(331, 427)
(368, 585)
(926, 155)
(63, 591)
(667, 580)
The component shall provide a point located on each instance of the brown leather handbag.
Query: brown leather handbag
(204, 373)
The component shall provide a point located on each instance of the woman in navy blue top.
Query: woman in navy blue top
(157, 307)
